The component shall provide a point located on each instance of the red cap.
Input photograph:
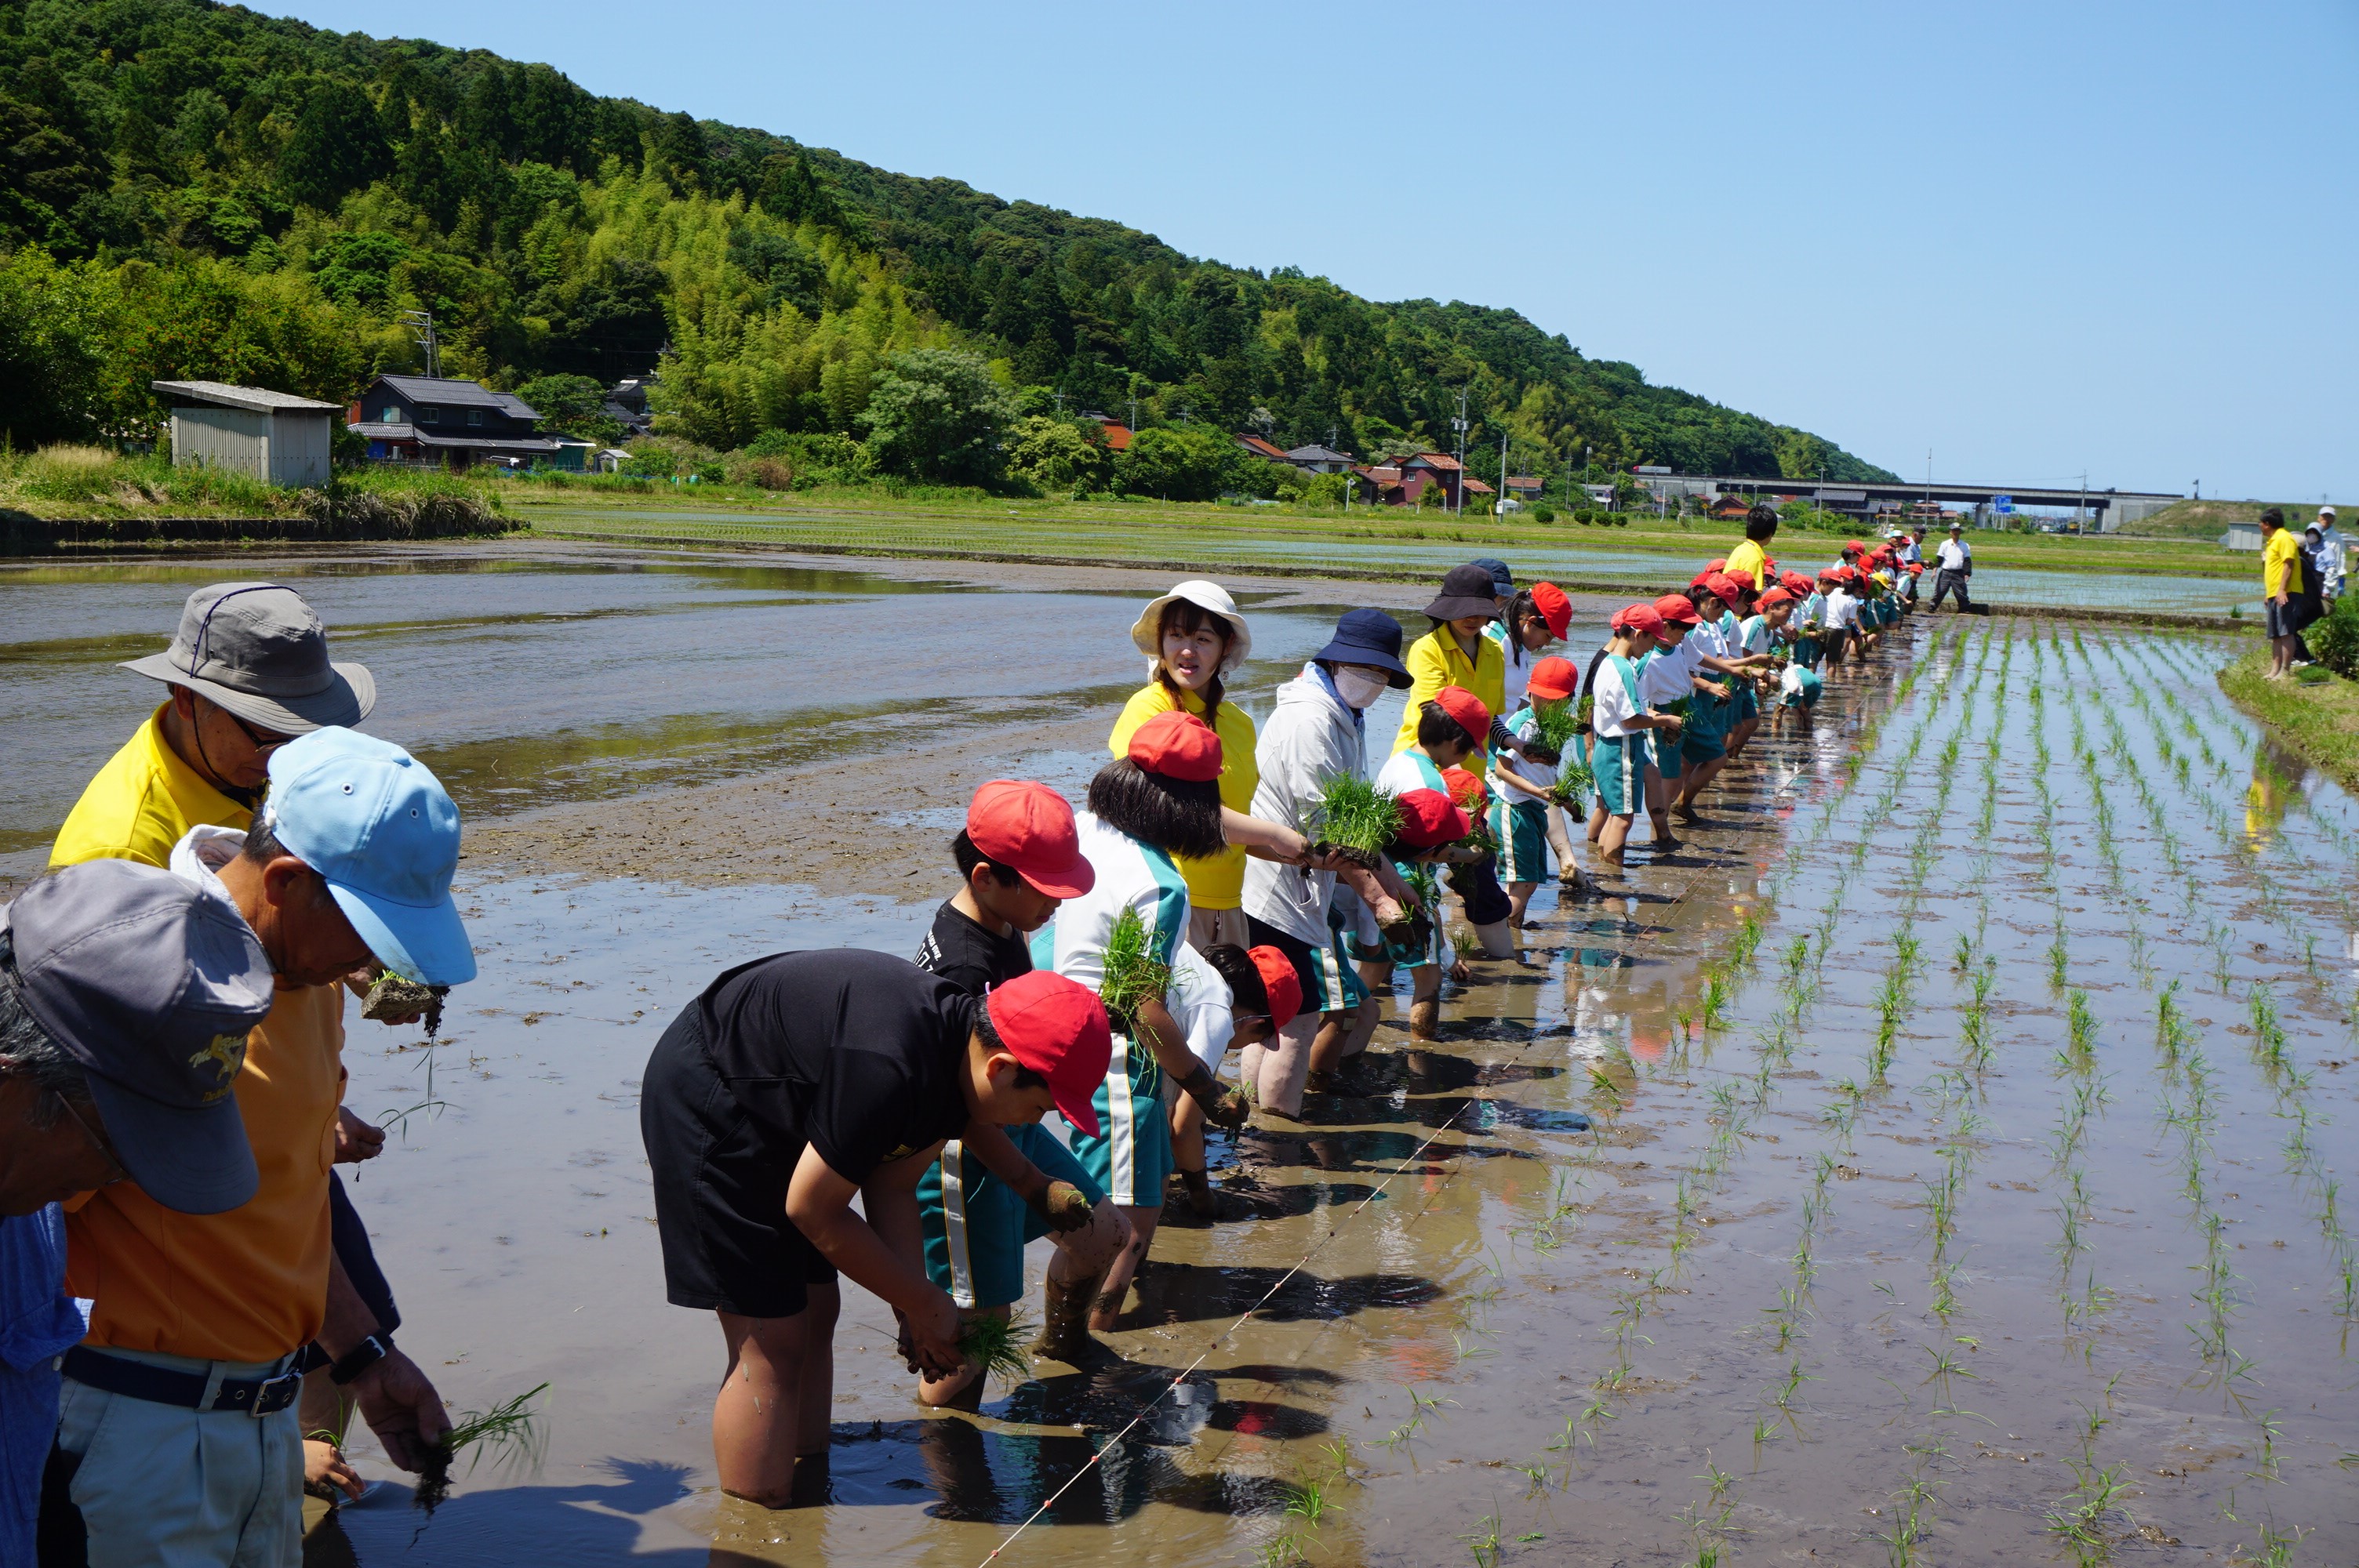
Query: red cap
(1724, 586)
(1058, 1028)
(1915, 568)
(1555, 608)
(1639, 618)
(1177, 745)
(1553, 679)
(1775, 596)
(1833, 574)
(1029, 828)
(1794, 583)
(1278, 979)
(1427, 818)
(1853, 545)
(1467, 709)
(1719, 566)
(1466, 789)
(1703, 578)
(1675, 607)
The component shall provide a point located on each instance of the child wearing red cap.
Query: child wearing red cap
(1759, 636)
(1160, 800)
(1020, 856)
(788, 1086)
(1619, 722)
(1431, 826)
(1523, 786)
(1536, 617)
(1841, 634)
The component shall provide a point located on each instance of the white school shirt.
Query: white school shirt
(1753, 635)
(1202, 1006)
(1519, 676)
(1611, 707)
(1524, 726)
(1909, 554)
(1410, 770)
(1129, 876)
(1842, 610)
(1812, 609)
(1669, 674)
(1953, 555)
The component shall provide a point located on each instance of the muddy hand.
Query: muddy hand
(326, 1472)
(355, 1140)
(402, 1408)
(1065, 1207)
(1228, 1109)
(933, 1331)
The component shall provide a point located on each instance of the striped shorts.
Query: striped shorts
(975, 1226)
(1131, 1156)
(1613, 761)
(1521, 828)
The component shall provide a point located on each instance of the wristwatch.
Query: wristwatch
(372, 1349)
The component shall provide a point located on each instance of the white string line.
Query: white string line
(1098, 1455)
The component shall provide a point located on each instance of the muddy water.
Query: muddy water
(1657, 1212)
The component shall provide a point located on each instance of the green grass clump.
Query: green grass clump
(1134, 976)
(1353, 813)
(996, 1344)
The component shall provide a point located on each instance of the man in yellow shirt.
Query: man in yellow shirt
(179, 1429)
(2281, 579)
(1749, 562)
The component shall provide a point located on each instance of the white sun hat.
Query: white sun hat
(1146, 634)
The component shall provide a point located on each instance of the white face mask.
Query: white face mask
(1359, 687)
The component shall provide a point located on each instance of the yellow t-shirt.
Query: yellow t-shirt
(142, 803)
(251, 1284)
(1218, 883)
(1748, 563)
(2277, 560)
(1435, 660)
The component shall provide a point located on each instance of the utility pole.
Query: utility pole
(2080, 507)
(1134, 411)
(1502, 502)
(1459, 425)
(421, 325)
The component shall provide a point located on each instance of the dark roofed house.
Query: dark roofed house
(446, 423)
(1316, 458)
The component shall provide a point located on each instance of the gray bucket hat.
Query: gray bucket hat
(152, 986)
(257, 650)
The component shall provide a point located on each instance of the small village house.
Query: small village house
(1316, 458)
(275, 437)
(450, 424)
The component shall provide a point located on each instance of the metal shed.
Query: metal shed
(272, 436)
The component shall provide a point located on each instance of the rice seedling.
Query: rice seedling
(1464, 942)
(995, 1345)
(1352, 814)
(1134, 975)
(511, 1432)
(1482, 1541)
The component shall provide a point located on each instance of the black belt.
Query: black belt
(168, 1386)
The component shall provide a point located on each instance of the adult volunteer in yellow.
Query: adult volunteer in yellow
(1455, 653)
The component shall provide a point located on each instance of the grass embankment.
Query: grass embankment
(2207, 520)
(2318, 719)
(85, 497)
(919, 522)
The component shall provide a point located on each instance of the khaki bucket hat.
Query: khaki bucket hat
(257, 650)
(1146, 632)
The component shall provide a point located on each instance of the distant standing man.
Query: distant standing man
(2281, 579)
(2334, 558)
(1954, 564)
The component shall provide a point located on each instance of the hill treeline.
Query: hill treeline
(195, 190)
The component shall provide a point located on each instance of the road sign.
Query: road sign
(2003, 504)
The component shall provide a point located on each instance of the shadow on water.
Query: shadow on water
(587, 1523)
(1171, 1293)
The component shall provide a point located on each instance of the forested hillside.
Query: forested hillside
(195, 190)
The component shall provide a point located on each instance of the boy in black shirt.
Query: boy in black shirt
(795, 1081)
(1020, 857)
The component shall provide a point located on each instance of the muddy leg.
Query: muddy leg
(1079, 1262)
(1519, 899)
(961, 1389)
(1187, 1152)
(1286, 1064)
(1125, 1266)
(758, 1425)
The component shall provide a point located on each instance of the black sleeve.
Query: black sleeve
(858, 1113)
(1500, 737)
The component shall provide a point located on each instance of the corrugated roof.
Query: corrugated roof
(259, 399)
(376, 431)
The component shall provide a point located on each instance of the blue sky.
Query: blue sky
(2034, 239)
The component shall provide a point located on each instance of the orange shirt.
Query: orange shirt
(251, 1284)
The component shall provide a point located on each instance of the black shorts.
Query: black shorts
(1298, 952)
(721, 1190)
(2276, 618)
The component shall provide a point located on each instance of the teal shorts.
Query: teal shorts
(1434, 950)
(1699, 749)
(1130, 1158)
(1807, 652)
(1747, 704)
(1614, 761)
(977, 1228)
(1336, 982)
(1522, 831)
(1662, 751)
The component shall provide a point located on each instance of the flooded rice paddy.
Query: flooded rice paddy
(1936, 1160)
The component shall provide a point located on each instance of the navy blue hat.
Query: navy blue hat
(1501, 578)
(1368, 637)
(152, 986)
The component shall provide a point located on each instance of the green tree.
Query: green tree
(1183, 463)
(1059, 455)
(54, 332)
(337, 145)
(571, 406)
(937, 415)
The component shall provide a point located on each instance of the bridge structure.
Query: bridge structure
(2107, 509)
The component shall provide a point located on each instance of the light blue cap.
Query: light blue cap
(383, 833)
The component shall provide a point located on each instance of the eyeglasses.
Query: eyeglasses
(115, 1170)
(264, 741)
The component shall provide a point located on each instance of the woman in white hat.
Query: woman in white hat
(1195, 638)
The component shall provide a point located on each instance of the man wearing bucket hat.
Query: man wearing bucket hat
(350, 863)
(1317, 734)
(118, 985)
(248, 671)
(785, 1089)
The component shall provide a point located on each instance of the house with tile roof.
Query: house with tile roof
(446, 423)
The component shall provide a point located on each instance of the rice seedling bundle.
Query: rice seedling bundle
(1134, 976)
(509, 1430)
(1355, 816)
(1554, 727)
(996, 1344)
